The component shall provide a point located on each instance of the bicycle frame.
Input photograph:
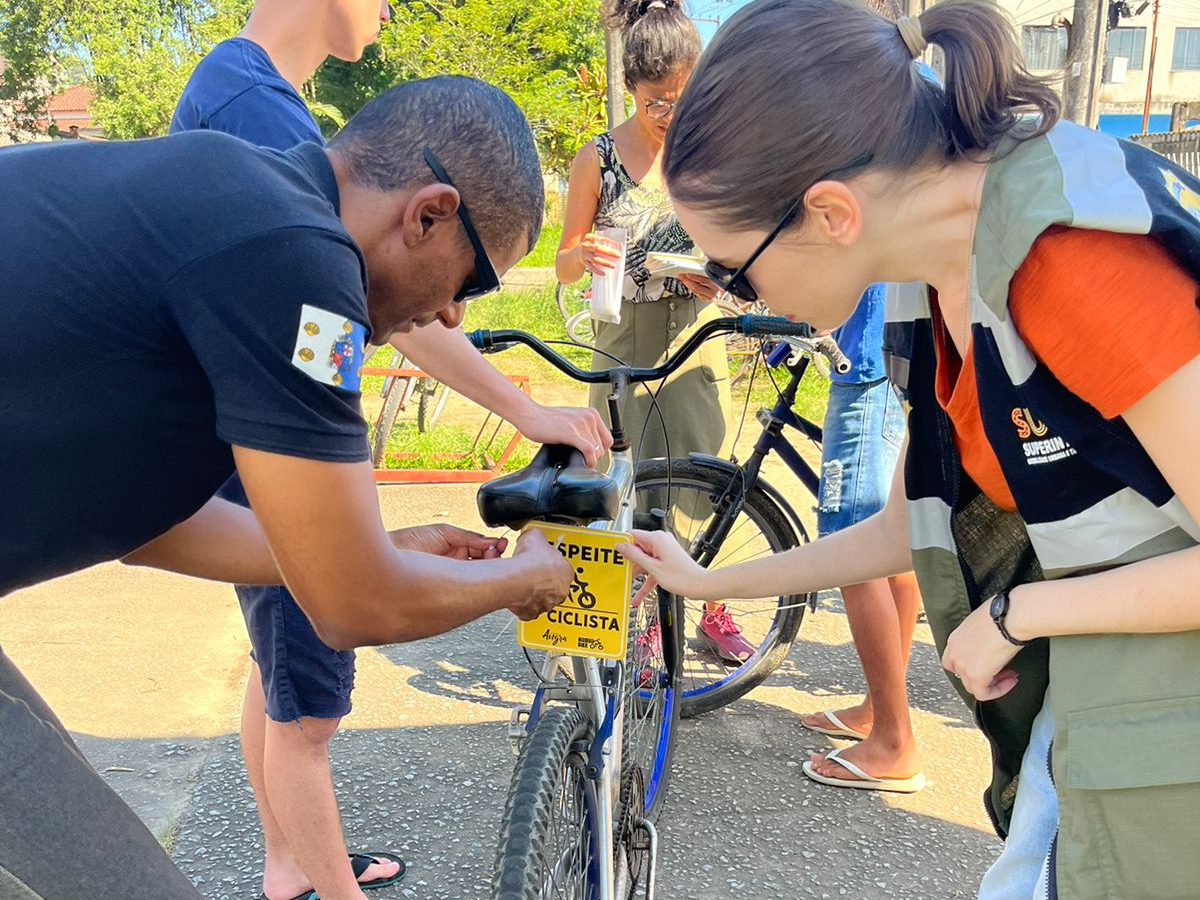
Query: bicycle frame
(596, 688)
(783, 415)
(773, 439)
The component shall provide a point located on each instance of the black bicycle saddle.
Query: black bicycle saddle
(556, 484)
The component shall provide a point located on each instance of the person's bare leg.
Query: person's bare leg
(281, 868)
(907, 595)
(299, 789)
(882, 640)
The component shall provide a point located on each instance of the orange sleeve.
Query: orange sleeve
(1111, 315)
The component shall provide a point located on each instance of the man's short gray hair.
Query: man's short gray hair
(475, 130)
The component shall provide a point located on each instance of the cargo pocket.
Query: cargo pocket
(1131, 802)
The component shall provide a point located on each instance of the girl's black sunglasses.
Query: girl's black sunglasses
(486, 280)
(734, 281)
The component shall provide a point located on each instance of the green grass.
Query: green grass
(450, 447)
(547, 246)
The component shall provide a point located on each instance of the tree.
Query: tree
(543, 53)
(137, 54)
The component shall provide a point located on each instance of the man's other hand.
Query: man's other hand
(448, 541)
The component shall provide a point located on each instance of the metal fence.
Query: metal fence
(1181, 147)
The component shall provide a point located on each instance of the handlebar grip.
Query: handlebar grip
(480, 339)
(774, 325)
(832, 352)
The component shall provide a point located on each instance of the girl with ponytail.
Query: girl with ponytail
(1044, 333)
(616, 181)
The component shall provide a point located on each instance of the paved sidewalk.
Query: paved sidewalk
(149, 669)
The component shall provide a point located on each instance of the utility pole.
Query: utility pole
(1150, 71)
(614, 77)
(1085, 61)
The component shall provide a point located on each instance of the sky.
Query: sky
(702, 10)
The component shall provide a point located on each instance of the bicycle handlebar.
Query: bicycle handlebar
(828, 348)
(487, 341)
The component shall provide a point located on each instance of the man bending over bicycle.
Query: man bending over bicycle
(221, 321)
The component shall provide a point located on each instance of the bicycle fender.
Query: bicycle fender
(708, 461)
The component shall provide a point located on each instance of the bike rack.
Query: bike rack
(452, 476)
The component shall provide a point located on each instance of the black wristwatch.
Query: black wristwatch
(999, 611)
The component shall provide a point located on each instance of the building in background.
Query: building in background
(1127, 53)
(69, 113)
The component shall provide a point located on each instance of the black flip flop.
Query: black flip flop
(360, 862)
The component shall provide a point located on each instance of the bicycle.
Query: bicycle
(573, 305)
(595, 745)
(396, 392)
(726, 513)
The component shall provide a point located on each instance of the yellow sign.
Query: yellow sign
(594, 619)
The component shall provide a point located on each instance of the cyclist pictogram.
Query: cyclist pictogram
(579, 592)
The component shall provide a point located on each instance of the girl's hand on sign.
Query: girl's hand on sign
(665, 563)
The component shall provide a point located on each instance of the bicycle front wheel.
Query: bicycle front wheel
(548, 834)
(730, 647)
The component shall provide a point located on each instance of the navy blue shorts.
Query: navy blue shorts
(863, 431)
(301, 676)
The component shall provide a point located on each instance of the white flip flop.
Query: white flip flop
(863, 781)
(841, 731)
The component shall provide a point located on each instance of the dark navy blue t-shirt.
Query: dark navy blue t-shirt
(163, 300)
(236, 89)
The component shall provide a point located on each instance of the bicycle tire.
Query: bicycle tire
(577, 317)
(392, 400)
(550, 764)
(703, 686)
(430, 403)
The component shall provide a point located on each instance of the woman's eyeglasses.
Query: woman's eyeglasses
(734, 281)
(659, 109)
(486, 280)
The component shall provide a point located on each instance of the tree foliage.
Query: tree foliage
(138, 54)
(545, 53)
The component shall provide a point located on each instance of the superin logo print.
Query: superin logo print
(1038, 446)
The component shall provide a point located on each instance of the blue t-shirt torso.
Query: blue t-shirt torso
(175, 296)
(236, 89)
(861, 339)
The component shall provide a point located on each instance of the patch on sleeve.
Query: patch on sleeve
(329, 348)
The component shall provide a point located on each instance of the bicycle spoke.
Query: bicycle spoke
(744, 543)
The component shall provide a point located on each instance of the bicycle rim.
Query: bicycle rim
(651, 697)
(768, 625)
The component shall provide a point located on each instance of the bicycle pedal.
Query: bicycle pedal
(518, 720)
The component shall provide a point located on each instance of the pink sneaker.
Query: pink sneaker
(647, 650)
(648, 644)
(718, 633)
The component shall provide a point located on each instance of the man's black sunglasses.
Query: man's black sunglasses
(486, 280)
(734, 281)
